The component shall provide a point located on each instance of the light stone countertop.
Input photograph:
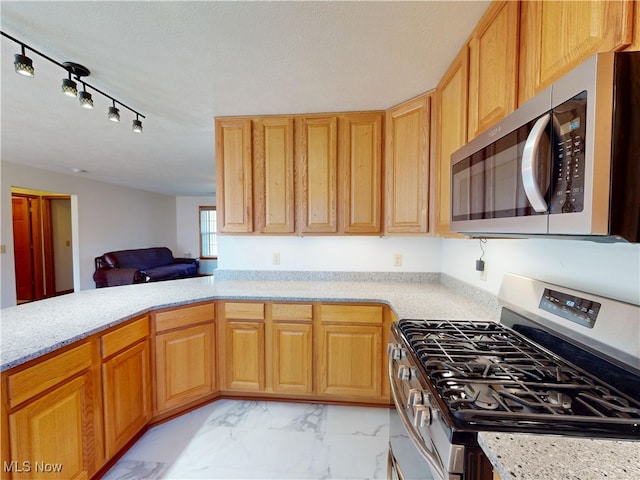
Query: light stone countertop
(519, 456)
(34, 329)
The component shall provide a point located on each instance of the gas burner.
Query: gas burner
(559, 399)
(483, 396)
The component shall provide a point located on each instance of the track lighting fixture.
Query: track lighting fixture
(85, 98)
(137, 125)
(24, 66)
(114, 113)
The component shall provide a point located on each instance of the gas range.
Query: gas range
(559, 362)
(490, 377)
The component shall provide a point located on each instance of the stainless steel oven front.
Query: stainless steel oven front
(421, 445)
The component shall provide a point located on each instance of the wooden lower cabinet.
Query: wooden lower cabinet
(244, 359)
(185, 366)
(350, 351)
(54, 418)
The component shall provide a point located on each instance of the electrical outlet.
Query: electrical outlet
(275, 260)
(397, 260)
(3, 249)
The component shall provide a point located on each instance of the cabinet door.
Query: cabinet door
(556, 36)
(407, 167)
(493, 72)
(127, 395)
(360, 172)
(451, 134)
(185, 368)
(316, 159)
(292, 358)
(52, 436)
(244, 356)
(350, 358)
(273, 166)
(234, 195)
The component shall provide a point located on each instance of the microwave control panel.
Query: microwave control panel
(567, 176)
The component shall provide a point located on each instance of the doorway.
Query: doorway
(42, 244)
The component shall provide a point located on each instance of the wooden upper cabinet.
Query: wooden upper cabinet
(273, 145)
(360, 172)
(451, 134)
(407, 167)
(234, 176)
(556, 36)
(635, 45)
(317, 162)
(493, 70)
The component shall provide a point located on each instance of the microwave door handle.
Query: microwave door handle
(530, 165)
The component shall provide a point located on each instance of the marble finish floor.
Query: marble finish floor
(242, 439)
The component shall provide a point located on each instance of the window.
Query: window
(208, 237)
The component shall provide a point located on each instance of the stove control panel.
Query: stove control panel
(570, 307)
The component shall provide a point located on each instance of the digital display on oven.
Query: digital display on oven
(570, 307)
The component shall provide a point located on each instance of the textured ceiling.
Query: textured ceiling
(183, 63)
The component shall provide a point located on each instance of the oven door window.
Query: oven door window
(488, 184)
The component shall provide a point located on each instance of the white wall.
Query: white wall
(188, 225)
(109, 218)
(611, 270)
(329, 253)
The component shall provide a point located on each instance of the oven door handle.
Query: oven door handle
(430, 456)
(530, 165)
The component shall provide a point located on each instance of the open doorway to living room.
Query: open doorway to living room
(42, 244)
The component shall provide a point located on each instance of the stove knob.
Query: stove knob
(415, 397)
(421, 416)
(404, 372)
(396, 351)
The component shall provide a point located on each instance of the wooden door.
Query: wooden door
(407, 167)
(234, 177)
(273, 171)
(23, 255)
(245, 355)
(127, 395)
(451, 134)
(55, 432)
(316, 163)
(557, 36)
(185, 368)
(350, 358)
(360, 172)
(493, 71)
(292, 358)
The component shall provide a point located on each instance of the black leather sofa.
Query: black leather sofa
(141, 265)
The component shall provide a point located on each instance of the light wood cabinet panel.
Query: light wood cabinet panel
(493, 72)
(558, 35)
(184, 316)
(56, 431)
(360, 172)
(273, 161)
(234, 176)
(292, 358)
(185, 365)
(635, 45)
(244, 356)
(354, 314)
(350, 360)
(124, 337)
(127, 395)
(407, 167)
(316, 163)
(451, 133)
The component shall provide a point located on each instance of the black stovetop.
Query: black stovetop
(488, 375)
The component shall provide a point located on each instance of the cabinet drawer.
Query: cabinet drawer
(184, 316)
(367, 314)
(291, 311)
(121, 338)
(244, 311)
(34, 380)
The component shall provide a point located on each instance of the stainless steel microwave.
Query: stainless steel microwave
(566, 163)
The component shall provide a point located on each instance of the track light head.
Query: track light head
(69, 87)
(23, 64)
(85, 99)
(136, 126)
(114, 114)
